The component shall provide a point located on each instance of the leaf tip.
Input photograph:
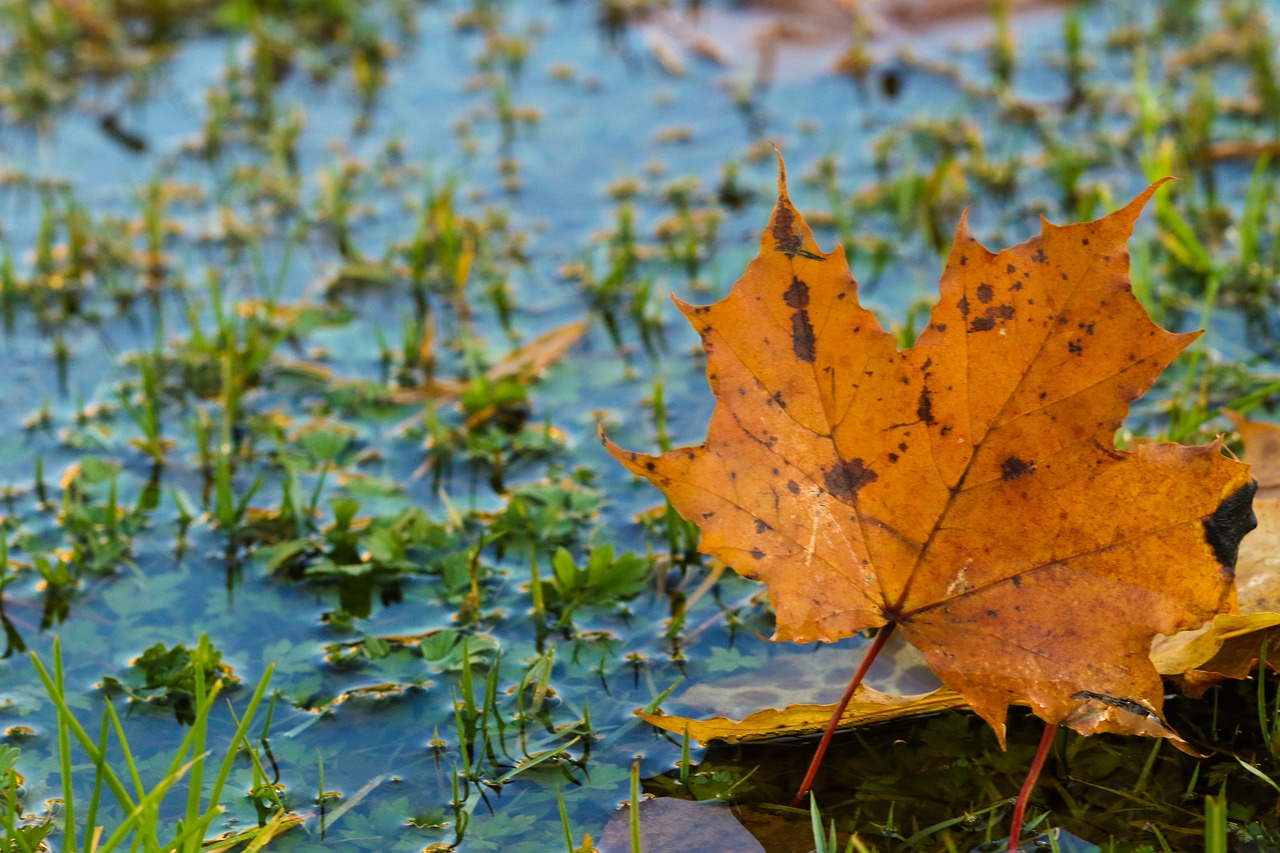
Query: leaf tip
(782, 174)
(1128, 215)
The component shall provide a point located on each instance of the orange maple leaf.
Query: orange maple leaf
(966, 490)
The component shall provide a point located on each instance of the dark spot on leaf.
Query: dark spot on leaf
(982, 324)
(902, 445)
(1074, 347)
(1010, 269)
(924, 410)
(1084, 241)
(793, 487)
(762, 526)
(757, 554)
(893, 457)
(797, 295)
(1013, 468)
(1001, 312)
(992, 613)
(963, 305)
(650, 466)
(939, 327)
(1040, 257)
(845, 479)
(803, 341)
(785, 233)
(1017, 581)
(985, 293)
(1230, 522)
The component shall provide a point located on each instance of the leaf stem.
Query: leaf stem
(1029, 784)
(873, 651)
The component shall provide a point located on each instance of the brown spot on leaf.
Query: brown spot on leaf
(924, 409)
(785, 234)
(803, 340)
(1013, 468)
(846, 479)
(985, 293)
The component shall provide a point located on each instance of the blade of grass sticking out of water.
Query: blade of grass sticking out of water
(64, 759)
(633, 816)
(1164, 845)
(491, 705)
(543, 681)
(1215, 824)
(467, 736)
(564, 820)
(143, 816)
(1258, 773)
(464, 743)
(1145, 774)
(1247, 402)
(1191, 783)
(68, 719)
(92, 831)
(196, 782)
(1255, 201)
(228, 760)
(815, 820)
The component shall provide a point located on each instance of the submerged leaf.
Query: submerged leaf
(868, 706)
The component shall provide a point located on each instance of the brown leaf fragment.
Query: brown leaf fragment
(1230, 645)
(967, 489)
